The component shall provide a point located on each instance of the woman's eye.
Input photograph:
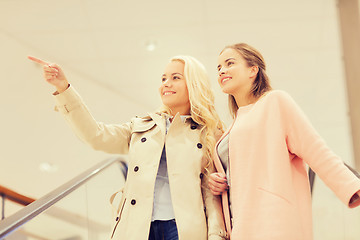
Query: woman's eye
(176, 77)
(230, 63)
(163, 79)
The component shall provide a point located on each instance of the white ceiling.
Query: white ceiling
(101, 46)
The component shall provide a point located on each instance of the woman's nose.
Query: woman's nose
(221, 71)
(167, 82)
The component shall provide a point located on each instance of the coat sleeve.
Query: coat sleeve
(215, 219)
(305, 142)
(110, 138)
(213, 209)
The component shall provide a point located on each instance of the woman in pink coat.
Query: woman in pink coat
(261, 158)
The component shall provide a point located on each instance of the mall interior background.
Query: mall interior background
(113, 52)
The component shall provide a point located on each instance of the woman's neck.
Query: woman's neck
(244, 99)
(181, 111)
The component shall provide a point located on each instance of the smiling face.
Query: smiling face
(234, 75)
(173, 89)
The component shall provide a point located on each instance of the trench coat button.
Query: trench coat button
(117, 218)
(193, 127)
(199, 145)
(143, 139)
(133, 202)
(136, 168)
(201, 175)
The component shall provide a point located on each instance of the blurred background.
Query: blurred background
(114, 53)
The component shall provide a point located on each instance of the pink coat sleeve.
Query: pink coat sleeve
(304, 142)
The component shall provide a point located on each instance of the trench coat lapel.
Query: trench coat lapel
(159, 121)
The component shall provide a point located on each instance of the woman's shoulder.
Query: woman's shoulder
(277, 93)
(279, 96)
(281, 100)
(276, 99)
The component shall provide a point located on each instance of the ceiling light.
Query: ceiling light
(48, 167)
(150, 45)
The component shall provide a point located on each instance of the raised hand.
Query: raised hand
(52, 74)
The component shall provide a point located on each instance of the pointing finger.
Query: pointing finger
(37, 60)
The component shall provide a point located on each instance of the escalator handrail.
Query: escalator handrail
(19, 218)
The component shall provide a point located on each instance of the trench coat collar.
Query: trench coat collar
(159, 119)
(178, 120)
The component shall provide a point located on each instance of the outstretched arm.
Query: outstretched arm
(305, 142)
(111, 138)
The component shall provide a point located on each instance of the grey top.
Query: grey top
(223, 152)
(162, 206)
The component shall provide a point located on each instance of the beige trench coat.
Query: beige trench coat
(197, 212)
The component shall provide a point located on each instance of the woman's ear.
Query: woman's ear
(254, 71)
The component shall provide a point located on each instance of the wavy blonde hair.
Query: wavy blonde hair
(261, 83)
(202, 108)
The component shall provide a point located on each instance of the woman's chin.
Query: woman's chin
(225, 90)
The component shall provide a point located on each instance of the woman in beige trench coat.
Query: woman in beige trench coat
(165, 195)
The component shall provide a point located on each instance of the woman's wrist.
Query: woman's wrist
(62, 88)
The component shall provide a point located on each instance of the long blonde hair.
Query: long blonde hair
(202, 108)
(261, 83)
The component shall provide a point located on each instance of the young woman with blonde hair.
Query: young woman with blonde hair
(261, 158)
(170, 155)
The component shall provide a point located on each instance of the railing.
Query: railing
(14, 196)
(312, 175)
(13, 222)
